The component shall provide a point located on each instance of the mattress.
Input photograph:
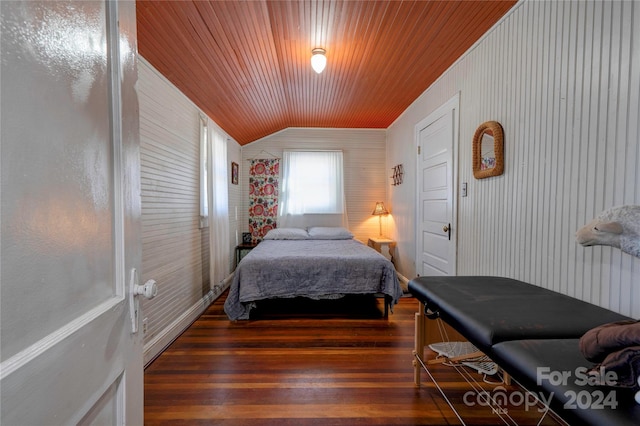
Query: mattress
(316, 269)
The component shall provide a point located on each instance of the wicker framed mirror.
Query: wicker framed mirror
(488, 150)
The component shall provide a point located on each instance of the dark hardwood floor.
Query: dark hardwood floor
(307, 363)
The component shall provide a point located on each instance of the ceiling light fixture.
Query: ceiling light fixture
(318, 60)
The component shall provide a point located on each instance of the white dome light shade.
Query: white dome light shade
(318, 60)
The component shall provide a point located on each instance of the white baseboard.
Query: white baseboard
(160, 342)
(404, 282)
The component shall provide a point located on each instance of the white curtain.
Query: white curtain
(312, 190)
(219, 265)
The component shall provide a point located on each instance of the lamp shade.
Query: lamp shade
(380, 209)
(318, 60)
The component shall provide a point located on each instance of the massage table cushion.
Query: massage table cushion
(562, 374)
(489, 310)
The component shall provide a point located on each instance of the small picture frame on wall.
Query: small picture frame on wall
(234, 173)
(246, 238)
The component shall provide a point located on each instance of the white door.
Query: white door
(436, 218)
(70, 214)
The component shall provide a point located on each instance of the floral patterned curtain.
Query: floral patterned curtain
(263, 197)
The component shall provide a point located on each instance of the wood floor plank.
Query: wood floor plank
(305, 363)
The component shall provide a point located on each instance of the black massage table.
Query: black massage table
(601, 405)
(523, 327)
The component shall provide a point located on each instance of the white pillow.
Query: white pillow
(287, 234)
(329, 233)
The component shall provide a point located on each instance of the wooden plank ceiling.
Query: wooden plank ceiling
(246, 64)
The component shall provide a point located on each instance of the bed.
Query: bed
(321, 263)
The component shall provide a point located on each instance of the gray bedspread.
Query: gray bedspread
(311, 268)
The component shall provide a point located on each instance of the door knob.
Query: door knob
(447, 229)
(149, 290)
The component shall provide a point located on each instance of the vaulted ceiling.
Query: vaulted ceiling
(246, 64)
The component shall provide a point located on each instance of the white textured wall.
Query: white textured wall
(366, 175)
(175, 251)
(563, 78)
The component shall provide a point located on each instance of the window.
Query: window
(204, 173)
(214, 198)
(219, 250)
(312, 183)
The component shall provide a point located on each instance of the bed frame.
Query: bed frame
(532, 333)
(312, 268)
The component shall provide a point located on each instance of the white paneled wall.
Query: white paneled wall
(175, 250)
(172, 243)
(366, 175)
(234, 154)
(563, 78)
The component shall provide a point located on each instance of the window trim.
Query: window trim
(204, 172)
(339, 200)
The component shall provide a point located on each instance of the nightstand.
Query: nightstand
(242, 250)
(383, 245)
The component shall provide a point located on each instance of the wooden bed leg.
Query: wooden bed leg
(387, 303)
(418, 350)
